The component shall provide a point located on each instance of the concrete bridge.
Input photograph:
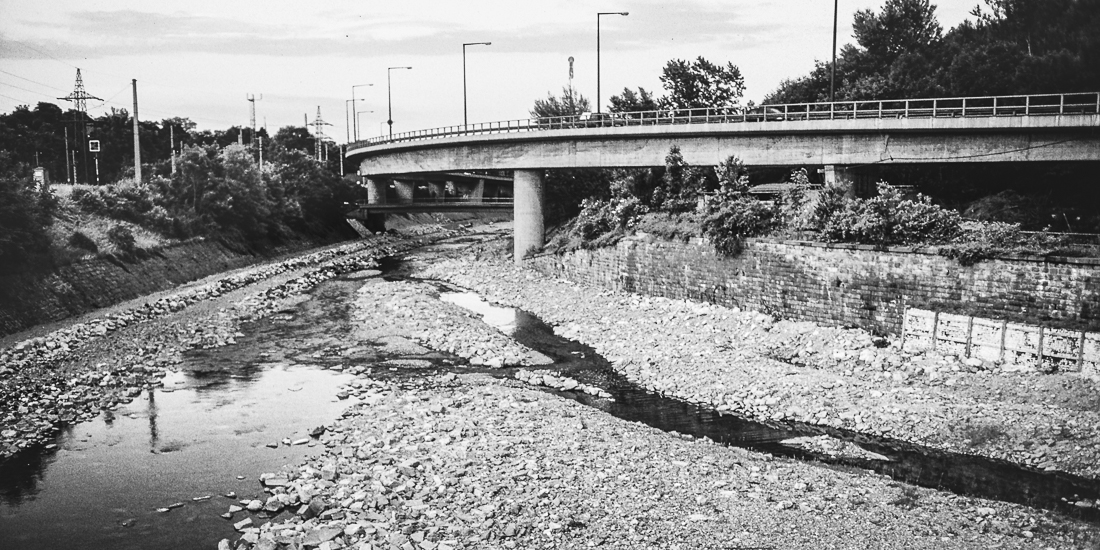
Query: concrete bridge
(1053, 127)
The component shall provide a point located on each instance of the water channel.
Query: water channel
(210, 432)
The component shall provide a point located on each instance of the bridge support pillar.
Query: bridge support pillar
(528, 228)
(405, 191)
(376, 194)
(478, 191)
(376, 191)
(837, 175)
(438, 191)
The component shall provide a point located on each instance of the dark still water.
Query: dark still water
(102, 487)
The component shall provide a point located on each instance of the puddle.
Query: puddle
(102, 486)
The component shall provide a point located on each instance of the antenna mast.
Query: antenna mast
(252, 118)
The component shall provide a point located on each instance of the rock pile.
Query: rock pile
(478, 463)
(414, 310)
(556, 381)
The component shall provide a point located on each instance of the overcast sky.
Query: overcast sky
(200, 58)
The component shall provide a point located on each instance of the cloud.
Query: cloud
(97, 34)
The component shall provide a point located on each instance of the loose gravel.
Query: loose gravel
(765, 368)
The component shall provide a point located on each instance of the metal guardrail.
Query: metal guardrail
(444, 200)
(949, 107)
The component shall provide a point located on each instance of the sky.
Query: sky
(202, 59)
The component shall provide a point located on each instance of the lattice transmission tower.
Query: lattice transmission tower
(79, 97)
(318, 133)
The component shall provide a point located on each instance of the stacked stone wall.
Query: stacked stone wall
(846, 285)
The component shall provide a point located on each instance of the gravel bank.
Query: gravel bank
(443, 462)
(757, 366)
(71, 374)
(475, 462)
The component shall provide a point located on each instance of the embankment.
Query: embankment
(32, 298)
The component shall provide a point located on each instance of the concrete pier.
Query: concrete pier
(405, 191)
(376, 191)
(528, 229)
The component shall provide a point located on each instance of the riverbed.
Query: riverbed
(486, 460)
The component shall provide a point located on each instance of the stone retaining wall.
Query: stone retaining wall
(28, 299)
(847, 285)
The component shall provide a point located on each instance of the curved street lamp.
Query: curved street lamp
(355, 128)
(623, 13)
(389, 98)
(464, 120)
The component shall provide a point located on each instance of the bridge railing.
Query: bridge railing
(446, 200)
(944, 107)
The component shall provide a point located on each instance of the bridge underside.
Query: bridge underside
(870, 142)
(363, 212)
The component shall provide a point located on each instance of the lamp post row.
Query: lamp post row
(465, 118)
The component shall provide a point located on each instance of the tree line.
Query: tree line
(1008, 47)
(36, 136)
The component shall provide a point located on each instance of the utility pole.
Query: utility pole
(172, 145)
(80, 98)
(318, 133)
(260, 139)
(68, 171)
(137, 142)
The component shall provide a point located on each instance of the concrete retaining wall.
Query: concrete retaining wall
(847, 285)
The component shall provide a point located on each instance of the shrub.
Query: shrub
(24, 216)
(730, 221)
(981, 240)
(795, 203)
(600, 223)
(80, 240)
(681, 226)
(122, 238)
(828, 202)
(891, 219)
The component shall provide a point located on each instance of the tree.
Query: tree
(697, 84)
(24, 213)
(293, 138)
(570, 103)
(630, 102)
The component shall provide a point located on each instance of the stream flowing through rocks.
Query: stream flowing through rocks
(161, 471)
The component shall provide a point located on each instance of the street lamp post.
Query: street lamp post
(348, 123)
(389, 99)
(464, 119)
(832, 76)
(624, 13)
(355, 127)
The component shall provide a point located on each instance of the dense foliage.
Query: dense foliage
(570, 103)
(25, 214)
(1009, 47)
(36, 137)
